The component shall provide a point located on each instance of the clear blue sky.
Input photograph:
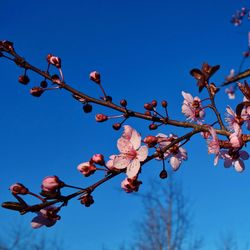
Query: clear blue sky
(144, 50)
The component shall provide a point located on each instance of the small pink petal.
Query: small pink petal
(124, 145)
(239, 165)
(121, 162)
(133, 168)
(175, 163)
(142, 153)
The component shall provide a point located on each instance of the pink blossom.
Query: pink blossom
(86, 168)
(213, 145)
(192, 108)
(230, 92)
(51, 183)
(110, 163)
(236, 139)
(54, 60)
(235, 158)
(130, 185)
(46, 217)
(131, 152)
(176, 154)
(19, 188)
(232, 119)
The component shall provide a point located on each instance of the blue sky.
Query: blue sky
(144, 50)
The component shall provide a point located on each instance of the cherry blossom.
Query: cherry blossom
(235, 159)
(176, 154)
(213, 145)
(192, 108)
(233, 120)
(46, 217)
(132, 153)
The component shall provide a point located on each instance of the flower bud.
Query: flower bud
(123, 103)
(153, 126)
(164, 104)
(130, 185)
(51, 183)
(163, 174)
(154, 103)
(7, 45)
(147, 113)
(19, 188)
(86, 168)
(116, 126)
(55, 79)
(43, 84)
(95, 77)
(101, 118)
(98, 159)
(36, 91)
(87, 200)
(148, 106)
(23, 79)
(54, 60)
(87, 108)
(150, 140)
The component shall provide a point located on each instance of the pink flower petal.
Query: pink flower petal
(121, 162)
(239, 165)
(124, 145)
(127, 133)
(135, 139)
(175, 163)
(142, 153)
(187, 97)
(133, 168)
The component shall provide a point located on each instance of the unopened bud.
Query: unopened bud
(54, 60)
(123, 103)
(164, 104)
(87, 200)
(147, 113)
(18, 188)
(101, 118)
(153, 126)
(87, 108)
(116, 126)
(98, 159)
(23, 79)
(55, 79)
(36, 91)
(150, 140)
(95, 77)
(163, 174)
(43, 84)
(148, 106)
(154, 103)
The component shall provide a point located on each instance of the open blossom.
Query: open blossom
(86, 168)
(175, 154)
(131, 152)
(233, 120)
(213, 145)
(51, 183)
(46, 217)
(235, 159)
(192, 108)
(130, 185)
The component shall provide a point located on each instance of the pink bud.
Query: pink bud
(86, 168)
(51, 183)
(98, 159)
(87, 200)
(130, 185)
(101, 118)
(36, 91)
(95, 77)
(54, 60)
(19, 188)
(150, 140)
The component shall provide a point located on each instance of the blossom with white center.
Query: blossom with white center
(192, 108)
(131, 152)
(235, 159)
(46, 217)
